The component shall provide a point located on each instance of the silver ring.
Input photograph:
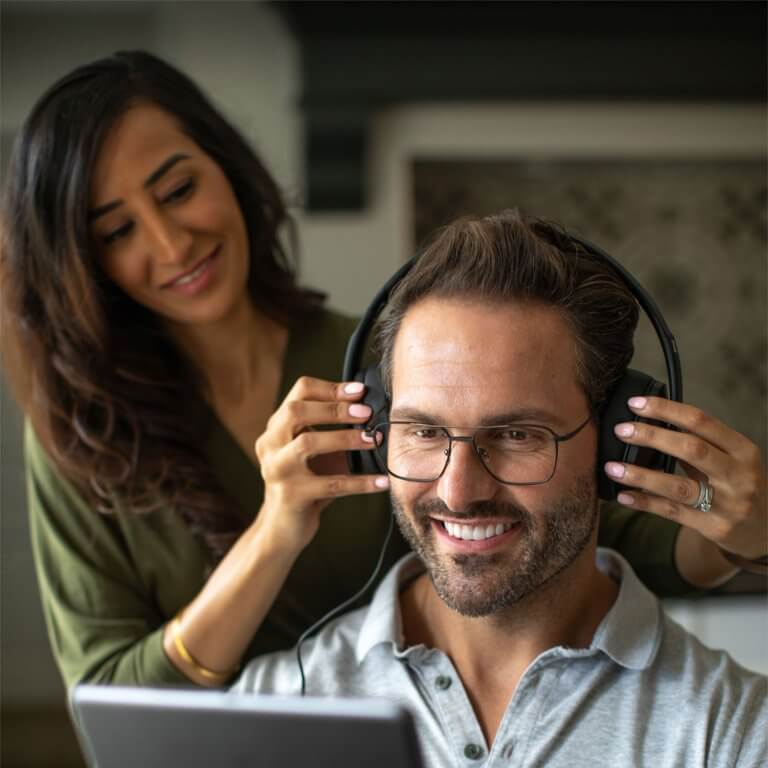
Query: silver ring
(706, 494)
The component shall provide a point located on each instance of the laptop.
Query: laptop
(121, 727)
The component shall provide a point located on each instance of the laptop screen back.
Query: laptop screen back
(127, 727)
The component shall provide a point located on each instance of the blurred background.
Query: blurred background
(641, 126)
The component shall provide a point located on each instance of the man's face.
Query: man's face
(465, 364)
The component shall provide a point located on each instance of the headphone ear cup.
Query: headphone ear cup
(616, 411)
(367, 462)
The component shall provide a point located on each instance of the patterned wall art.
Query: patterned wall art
(692, 232)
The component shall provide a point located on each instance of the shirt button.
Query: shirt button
(442, 682)
(473, 751)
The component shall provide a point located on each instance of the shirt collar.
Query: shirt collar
(630, 633)
(383, 623)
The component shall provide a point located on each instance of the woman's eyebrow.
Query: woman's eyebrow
(158, 173)
(164, 167)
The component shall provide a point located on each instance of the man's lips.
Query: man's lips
(475, 533)
(190, 274)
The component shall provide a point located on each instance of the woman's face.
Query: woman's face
(165, 221)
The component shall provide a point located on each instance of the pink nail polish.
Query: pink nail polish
(625, 430)
(614, 469)
(359, 411)
(625, 498)
(354, 388)
(637, 402)
(381, 482)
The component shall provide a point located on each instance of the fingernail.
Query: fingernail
(381, 482)
(637, 402)
(354, 388)
(614, 469)
(367, 437)
(625, 498)
(358, 411)
(624, 430)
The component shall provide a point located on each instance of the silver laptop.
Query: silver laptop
(123, 727)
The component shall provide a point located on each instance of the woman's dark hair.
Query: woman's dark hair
(114, 402)
(511, 257)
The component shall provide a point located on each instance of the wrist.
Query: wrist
(757, 565)
(280, 535)
(700, 562)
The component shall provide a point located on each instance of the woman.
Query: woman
(155, 324)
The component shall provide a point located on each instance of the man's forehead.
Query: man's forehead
(457, 351)
(452, 334)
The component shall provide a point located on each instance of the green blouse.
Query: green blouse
(110, 583)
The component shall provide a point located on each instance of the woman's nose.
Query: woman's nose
(169, 242)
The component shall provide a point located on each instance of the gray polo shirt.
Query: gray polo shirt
(645, 693)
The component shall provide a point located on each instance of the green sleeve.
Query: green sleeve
(101, 622)
(647, 542)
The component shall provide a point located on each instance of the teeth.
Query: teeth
(192, 275)
(475, 532)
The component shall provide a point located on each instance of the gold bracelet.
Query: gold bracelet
(209, 674)
(758, 565)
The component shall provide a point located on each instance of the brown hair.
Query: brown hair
(513, 257)
(114, 402)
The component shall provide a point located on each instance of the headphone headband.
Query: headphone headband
(616, 410)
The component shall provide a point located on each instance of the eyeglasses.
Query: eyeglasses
(513, 454)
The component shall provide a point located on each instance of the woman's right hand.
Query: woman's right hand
(305, 469)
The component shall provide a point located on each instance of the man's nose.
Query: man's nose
(465, 480)
(167, 240)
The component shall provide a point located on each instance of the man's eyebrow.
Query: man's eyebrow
(162, 169)
(517, 416)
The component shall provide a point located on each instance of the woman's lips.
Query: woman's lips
(196, 279)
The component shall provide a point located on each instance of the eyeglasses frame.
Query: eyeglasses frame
(471, 439)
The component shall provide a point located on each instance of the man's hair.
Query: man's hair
(513, 258)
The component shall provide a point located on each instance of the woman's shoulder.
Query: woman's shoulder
(318, 342)
(331, 324)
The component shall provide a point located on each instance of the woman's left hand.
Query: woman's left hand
(709, 452)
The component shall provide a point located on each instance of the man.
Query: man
(512, 638)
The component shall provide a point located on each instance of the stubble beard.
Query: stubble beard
(483, 584)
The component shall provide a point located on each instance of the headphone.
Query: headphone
(614, 411)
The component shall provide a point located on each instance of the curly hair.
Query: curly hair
(113, 400)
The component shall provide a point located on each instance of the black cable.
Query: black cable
(321, 622)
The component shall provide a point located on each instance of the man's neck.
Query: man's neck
(491, 653)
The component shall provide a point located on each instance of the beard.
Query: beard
(476, 585)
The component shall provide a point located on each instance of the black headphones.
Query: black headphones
(615, 410)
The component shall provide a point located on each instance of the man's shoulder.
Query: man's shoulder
(682, 657)
(327, 658)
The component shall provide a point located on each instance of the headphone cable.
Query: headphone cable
(320, 623)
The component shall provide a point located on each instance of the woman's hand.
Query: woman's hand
(709, 452)
(305, 469)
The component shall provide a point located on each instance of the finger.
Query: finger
(691, 471)
(672, 510)
(310, 388)
(692, 449)
(308, 445)
(693, 420)
(334, 486)
(295, 416)
(681, 490)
